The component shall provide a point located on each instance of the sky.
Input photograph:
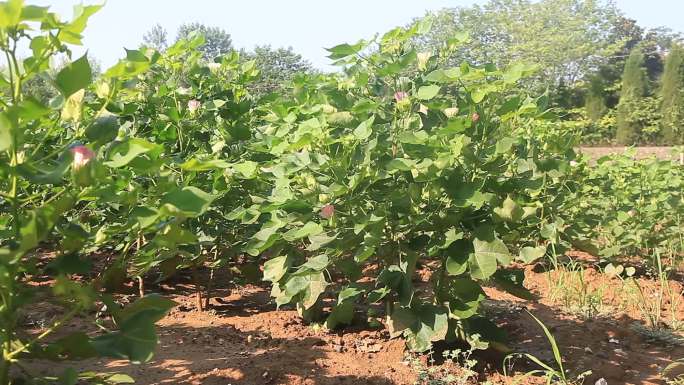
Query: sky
(308, 26)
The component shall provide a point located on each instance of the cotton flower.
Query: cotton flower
(400, 95)
(82, 155)
(194, 105)
(475, 117)
(451, 112)
(327, 211)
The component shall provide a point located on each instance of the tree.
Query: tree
(156, 38)
(217, 41)
(567, 38)
(654, 43)
(594, 101)
(672, 93)
(276, 67)
(634, 88)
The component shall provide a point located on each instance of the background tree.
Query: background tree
(634, 88)
(673, 97)
(567, 38)
(594, 101)
(156, 38)
(276, 67)
(218, 41)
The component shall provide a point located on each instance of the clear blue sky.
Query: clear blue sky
(306, 25)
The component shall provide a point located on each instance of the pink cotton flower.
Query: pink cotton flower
(400, 95)
(475, 117)
(327, 211)
(82, 155)
(194, 105)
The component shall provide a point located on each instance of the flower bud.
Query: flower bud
(82, 165)
(82, 156)
(327, 211)
(475, 117)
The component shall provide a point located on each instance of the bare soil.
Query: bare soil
(243, 339)
(663, 153)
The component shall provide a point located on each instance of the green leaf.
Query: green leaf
(341, 314)
(75, 346)
(530, 254)
(7, 131)
(154, 305)
(427, 92)
(401, 319)
(316, 287)
(75, 76)
(38, 223)
(144, 216)
(104, 129)
(613, 271)
(71, 32)
(30, 109)
(309, 229)
(401, 164)
(510, 211)
(316, 263)
(120, 378)
(73, 107)
(364, 130)
(10, 13)
(512, 282)
(344, 50)
(483, 260)
(432, 325)
(463, 295)
(458, 254)
(187, 201)
(413, 137)
(125, 152)
(504, 145)
(275, 268)
(195, 164)
(135, 340)
(247, 169)
(135, 63)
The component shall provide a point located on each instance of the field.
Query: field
(665, 153)
(187, 216)
(242, 339)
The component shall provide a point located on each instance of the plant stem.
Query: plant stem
(198, 288)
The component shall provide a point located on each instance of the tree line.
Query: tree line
(608, 78)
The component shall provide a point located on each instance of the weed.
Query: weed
(457, 368)
(570, 288)
(553, 375)
(659, 323)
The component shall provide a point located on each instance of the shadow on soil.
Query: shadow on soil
(224, 355)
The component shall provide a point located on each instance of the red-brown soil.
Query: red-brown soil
(663, 153)
(243, 339)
